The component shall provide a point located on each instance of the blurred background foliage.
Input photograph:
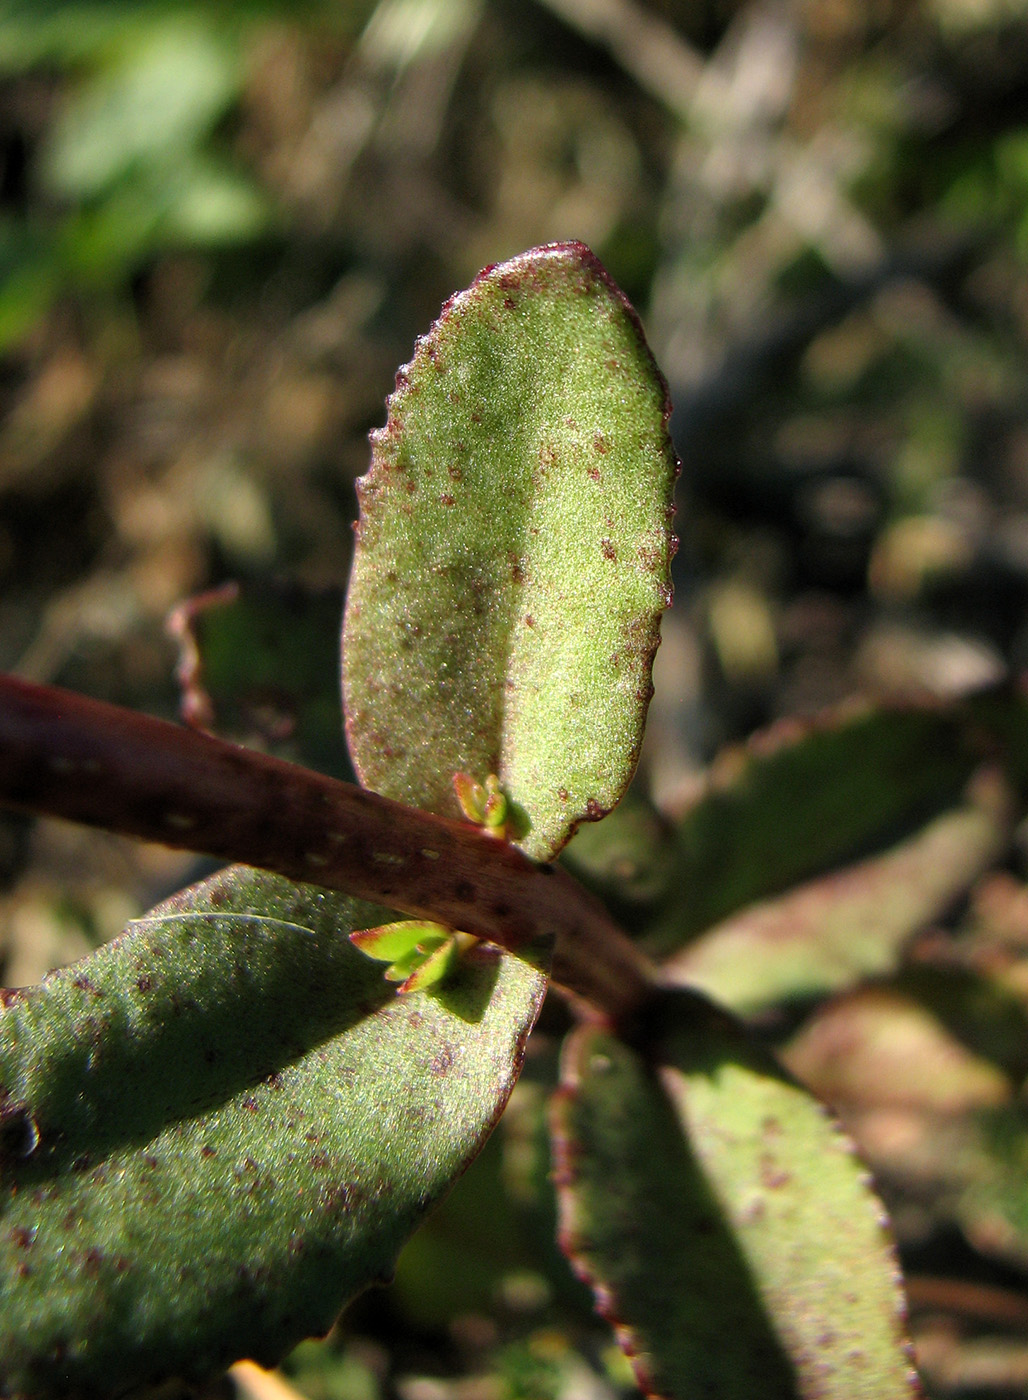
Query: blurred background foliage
(221, 228)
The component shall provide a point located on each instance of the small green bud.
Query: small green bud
(484, 804)
(420, 953)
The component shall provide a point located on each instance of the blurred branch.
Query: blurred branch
(731, 107)
(647, 48)
(972, 1302)
(389, 105)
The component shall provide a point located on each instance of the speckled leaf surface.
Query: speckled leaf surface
(727, 1229)
(830, 932)
(802, 797)
(513, 552)
(220, 1127)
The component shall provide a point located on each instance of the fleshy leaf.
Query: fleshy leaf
(201, 1131)
(853, 923)
(878, 1046)
(1001, 714)
(910, 1066)
(402, 968)
(726, 1227)
(802, 797)
(513, 553)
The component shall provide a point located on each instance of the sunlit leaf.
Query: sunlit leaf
(391, 941)
(220, 1127)
(723, 1220)
(802, 797)
(513, 552)
(853, 923)
(436, 964)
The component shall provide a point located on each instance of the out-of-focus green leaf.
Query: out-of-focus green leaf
(30, 274)
(723, 1220)
(992, 1172)
(64, 32)
(802, 797)
(320, 1372)
(260, 665)
(513, 555)
(163, 95)
(881, 1047)
(215, 205)
(986, 1010)
(850, 924)
(129, 154)
(930, 1113)
(220, 1127)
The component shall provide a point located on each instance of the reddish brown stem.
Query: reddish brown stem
(64, 755)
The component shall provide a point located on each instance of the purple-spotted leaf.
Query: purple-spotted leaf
(853, 923)
(217, 1129)
(803, 797)
(513, 553)
(725, 1225)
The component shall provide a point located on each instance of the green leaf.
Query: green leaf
(1000, 717)
(989, 1194)
(804, 796)
(926, 1071)
(513, 555)
(164, 95)
(436, 964)
(725, 1225)
(391, 941)
(853, 923)
(878, 1046)
(220, 1127)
